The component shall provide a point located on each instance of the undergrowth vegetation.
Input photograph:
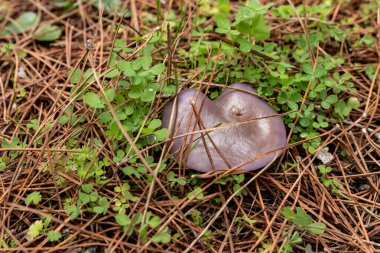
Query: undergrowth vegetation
(85, 162)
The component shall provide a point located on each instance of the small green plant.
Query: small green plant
(295, 238)
(303, 221)
(88, 201)
(34, 197)
(197, 192)
(121, 203)
(90, 198)
(164, 236)
(245, 218)
(3, 162)
(53, 236)
(138, 85)
(151, 221)
(36, 228)
(273, 75)
(171, 176)
(23, 22)
(4, 244)
(47, 33)
(233, 180)
(14, 143)
(328, 182)
(196, 216)
(41, 227)
(86, 164)
(26, 21)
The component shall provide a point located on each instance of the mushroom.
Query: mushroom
(237, 130)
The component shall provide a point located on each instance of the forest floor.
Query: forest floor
(85, 163)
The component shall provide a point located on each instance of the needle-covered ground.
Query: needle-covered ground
(85, 163)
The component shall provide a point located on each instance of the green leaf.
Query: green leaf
(197, 217)
(245, 44)
(146, 61)
(47, 33)
(24, 22)
(119, 45)
(154, 124)
(103, 202)
(157, 69)
(295, 239)
(110, 93)
(250, 20)
(282, 97)
(129, 109)
(259, 29)
(89, 75)
(163, 237)
(135, 91)
(148, 95)
(126, 68)
(87, 188)
(293, 106)
(221, 30)
(181, 181)
(245, 218)
(295, 97)
(169, 90)
(325, 105)
(324, 169)
(34, 197)
(98, 209)
(129, 196)
(66, 4)
(342, 109)
(94, 196)
(75, 77)
(197, 192)
(222, 21)
(301, 218)
(35, 229)
(154, 222)
(305, 122)
(113, 7)
(93, 100)
(33, 124)
(170, 176)
(74, 211)
(288, 213)
(129, 170)
(317, 228)
(308, 68)
(353, 102)
(332, 99)
(122, 219)
(103, 206)
(161, 134)
(105, 117)
(84, 198)
(112, 73)
(53, 236)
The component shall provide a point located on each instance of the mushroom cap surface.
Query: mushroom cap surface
(258, 129)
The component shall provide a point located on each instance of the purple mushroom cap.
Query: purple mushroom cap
(258, 130)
